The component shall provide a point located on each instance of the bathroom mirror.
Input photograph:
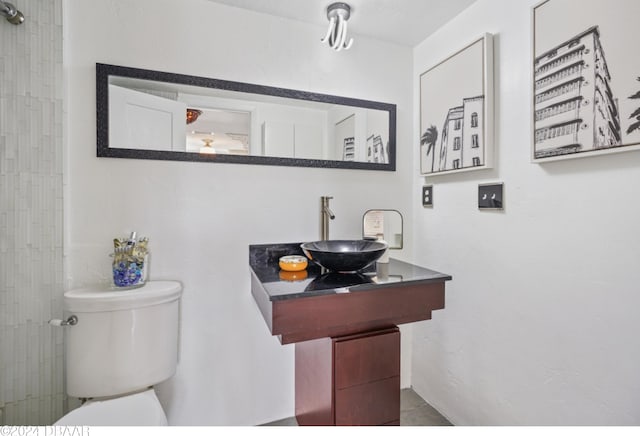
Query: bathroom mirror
(384, 222)
(145, 114)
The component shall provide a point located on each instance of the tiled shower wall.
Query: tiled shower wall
(31, 163)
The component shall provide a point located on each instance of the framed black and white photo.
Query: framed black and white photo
(456, 111)
(586, 78)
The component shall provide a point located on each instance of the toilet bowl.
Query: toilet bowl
(140, 409)
(122, 343)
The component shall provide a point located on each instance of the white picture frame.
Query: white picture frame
(456, 111)
(585, 79)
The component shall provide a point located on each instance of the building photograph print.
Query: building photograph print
(456, 111)
(586, 90)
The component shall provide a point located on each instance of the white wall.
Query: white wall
(201, 217)
(541, 320)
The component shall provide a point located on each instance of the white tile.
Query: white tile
(31, 216)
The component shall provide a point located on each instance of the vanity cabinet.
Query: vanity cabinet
(349, 380)
(347, 343)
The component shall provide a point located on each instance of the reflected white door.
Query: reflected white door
(308, 141)
(277, 139)
(145, 122)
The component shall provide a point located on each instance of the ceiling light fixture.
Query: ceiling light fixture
(336, 37)
(207, 148)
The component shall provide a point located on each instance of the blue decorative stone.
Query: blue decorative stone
(127, 273)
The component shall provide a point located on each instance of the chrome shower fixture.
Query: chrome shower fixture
(10, 12)
(336, 37)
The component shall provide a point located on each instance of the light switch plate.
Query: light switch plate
(490, 196)
(427, 196)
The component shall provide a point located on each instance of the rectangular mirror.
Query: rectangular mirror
(145, 114)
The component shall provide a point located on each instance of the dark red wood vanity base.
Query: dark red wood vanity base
(349, 380)
(301, 319)
(347, 343)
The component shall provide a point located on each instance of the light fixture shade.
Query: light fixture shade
(192, 115)
(336, 37)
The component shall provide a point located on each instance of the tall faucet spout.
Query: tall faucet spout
(329, 213)
(325, 215)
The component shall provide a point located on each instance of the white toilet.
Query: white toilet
(123, 343)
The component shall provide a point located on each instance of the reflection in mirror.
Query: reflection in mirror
(157, 115)
(218, 131)
(385, 224)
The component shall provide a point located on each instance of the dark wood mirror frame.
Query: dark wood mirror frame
(104, 71)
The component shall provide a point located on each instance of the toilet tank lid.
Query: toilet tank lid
(106, 298)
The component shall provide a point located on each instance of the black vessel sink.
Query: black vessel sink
(344, 255)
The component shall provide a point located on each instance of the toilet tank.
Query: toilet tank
(124, 340)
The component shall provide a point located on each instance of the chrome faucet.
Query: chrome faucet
(325, 216)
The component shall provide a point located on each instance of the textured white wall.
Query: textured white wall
(200, 217)
(31, 390)
(541, 324)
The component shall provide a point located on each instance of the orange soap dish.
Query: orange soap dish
(293, 263)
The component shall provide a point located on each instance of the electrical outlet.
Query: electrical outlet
(427, 196)
(490, 196)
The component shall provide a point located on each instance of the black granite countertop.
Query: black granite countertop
(280, 285)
